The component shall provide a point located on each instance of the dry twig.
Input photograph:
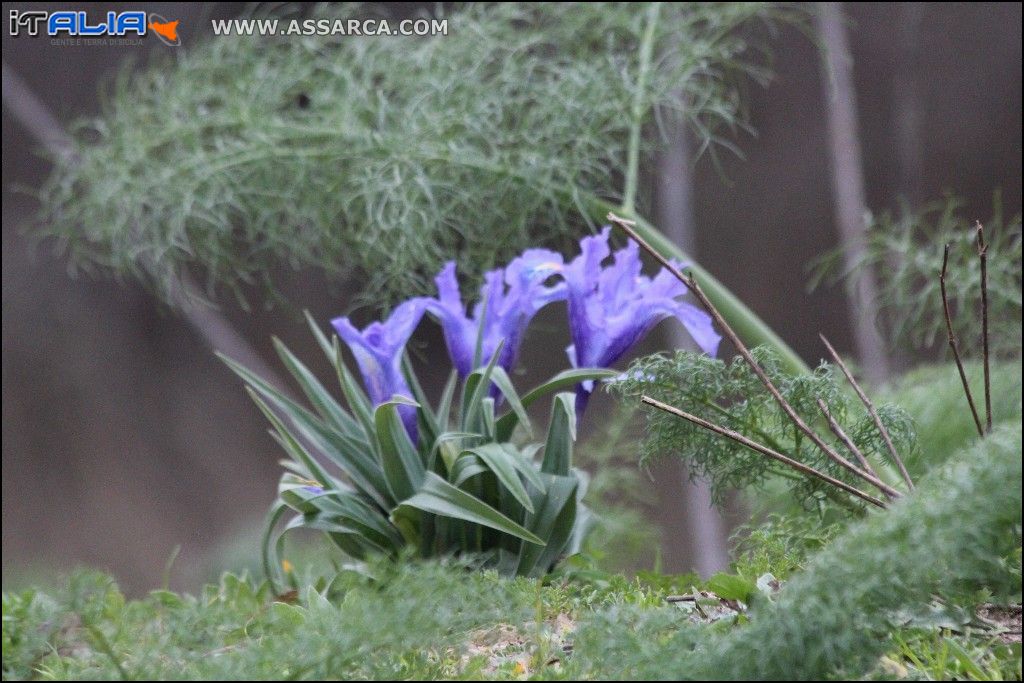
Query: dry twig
(983, 256)
(871, 411)
(954, 345)
(844, 437)
(762, 449)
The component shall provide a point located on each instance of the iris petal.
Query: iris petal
(378, 350)
(612, 307)
(509, 298)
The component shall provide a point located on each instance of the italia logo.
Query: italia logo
(78, 25)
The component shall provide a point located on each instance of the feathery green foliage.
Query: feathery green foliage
(461, 487)
(379, 159)
(905, 254)
(731, 395)
(780, 544)
(383, 157)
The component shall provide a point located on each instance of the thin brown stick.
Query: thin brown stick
(691, 283)
(762, 449)
(954, 345)
(866, 473)
(871, 411)
(837, 429)
(983, 256)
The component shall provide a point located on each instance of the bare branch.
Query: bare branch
(871, 411)
(844, 438)
(983, 256)
(954, 345)
(691, 284)
(762, 449)
(35, 116)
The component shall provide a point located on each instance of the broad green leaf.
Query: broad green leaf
(402, 465)
(322, 401)
(487, 417)
(504, 384)
(428, 424)
(358, 402)
(553, 521)
(321, 338)
(529, 451)
(561, 434)
(523, 461)
(477, 385)
(294, 448)
(584, 524)
(349, 543)
(583, 477)
(271, 547)
(444, 408)
(349, 454)
(339, 525)
(465, 468)
(292, 465)
(407, 521)
(448, 445)
(295, 492)
(439, 497)
(568, 378)
(504, 466)
(353, 507)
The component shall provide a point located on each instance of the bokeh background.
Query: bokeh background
(124, 438)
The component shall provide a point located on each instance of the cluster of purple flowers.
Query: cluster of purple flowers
(611, 307)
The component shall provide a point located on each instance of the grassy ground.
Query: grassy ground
(929, 589)
(418, 621)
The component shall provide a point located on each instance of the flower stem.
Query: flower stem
(637, 115)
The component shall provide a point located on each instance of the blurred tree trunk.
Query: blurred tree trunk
(906, 95)
(848, 188)
(686, 503)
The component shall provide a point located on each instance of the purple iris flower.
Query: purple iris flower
(378, 350)
(509, 298)
(612, 307)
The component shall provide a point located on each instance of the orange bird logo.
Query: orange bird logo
(166, 29)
